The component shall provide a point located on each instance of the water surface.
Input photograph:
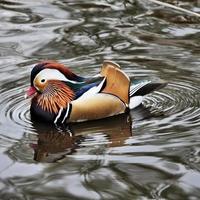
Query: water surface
(151, 153)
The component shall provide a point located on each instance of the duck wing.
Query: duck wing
(117, 82)
(108, 98)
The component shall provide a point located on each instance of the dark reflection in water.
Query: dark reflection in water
(152, 153)
(56, 142)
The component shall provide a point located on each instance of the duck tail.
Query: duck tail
(141, 88)
(145, 87)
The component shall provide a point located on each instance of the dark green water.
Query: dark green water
(152, 153)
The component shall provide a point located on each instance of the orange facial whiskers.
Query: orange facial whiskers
(56, 95)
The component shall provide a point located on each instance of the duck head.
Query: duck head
(49, 91)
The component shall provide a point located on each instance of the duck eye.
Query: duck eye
(43, 80)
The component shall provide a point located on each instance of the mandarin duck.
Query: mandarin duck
(60, 96)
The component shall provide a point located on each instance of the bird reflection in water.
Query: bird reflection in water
(54, 143)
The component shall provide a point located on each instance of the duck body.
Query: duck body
(59, 96)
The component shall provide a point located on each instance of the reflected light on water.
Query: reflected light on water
(152, 152)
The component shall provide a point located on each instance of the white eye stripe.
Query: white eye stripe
(51, 74)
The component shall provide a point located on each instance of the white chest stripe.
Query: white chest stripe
(58, 116)
(63, 114)
(66, 114)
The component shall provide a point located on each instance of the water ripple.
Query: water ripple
(149, 154)
(14, 108)
(179, 103)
